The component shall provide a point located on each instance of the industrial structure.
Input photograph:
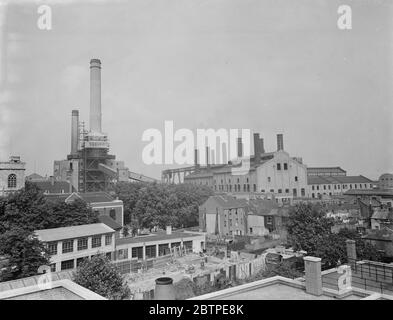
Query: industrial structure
(275, 173)
(89, 167)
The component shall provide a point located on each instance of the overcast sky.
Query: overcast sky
(272, 66)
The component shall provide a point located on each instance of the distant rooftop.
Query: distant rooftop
(88, 197)
(85, 230)
(337, 179)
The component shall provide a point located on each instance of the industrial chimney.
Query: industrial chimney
(95, 95)
(74, 132)
(261, 146)
(207, 157)
(257, 151)
(280, 142)
(239, 147)
(196, 158)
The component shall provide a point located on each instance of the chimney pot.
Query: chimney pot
(312, 266)
(164, 289)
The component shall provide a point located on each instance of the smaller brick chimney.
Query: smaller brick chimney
(312, 268)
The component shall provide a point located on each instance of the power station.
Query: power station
(89, 166)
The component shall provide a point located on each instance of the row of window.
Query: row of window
(237, 188)
(344, 186)
(285, 165)
(82, 244)
(70, 264)
(151, 251)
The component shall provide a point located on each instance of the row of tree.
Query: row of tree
(150, 204)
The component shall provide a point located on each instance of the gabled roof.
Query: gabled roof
(383, 215)
(262, 206)
(85, 230)
(228, 202)
(91, 197)
(34, 176)
(109, 222)
(53, 186)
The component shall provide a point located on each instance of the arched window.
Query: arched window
(12, 180)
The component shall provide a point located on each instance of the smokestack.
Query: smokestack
(261, 146)
(239, 147)
(207, 157)
(280, 142)
(257, 151)
(164, 289)
(95, 95)
(196, 158)
(74, 131)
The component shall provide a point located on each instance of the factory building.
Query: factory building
(318, 186)
(89, 167)
(270, 173)
(12, 175)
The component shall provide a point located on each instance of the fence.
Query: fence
(366, 275)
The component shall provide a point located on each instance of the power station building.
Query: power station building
(89, 167)
(270, 172)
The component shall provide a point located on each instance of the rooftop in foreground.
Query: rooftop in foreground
(57, 290)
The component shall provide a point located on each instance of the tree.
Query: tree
(147, 205)
(309, 229)
(100, 276)
(281, 269)
(28, 209)
(25, 253)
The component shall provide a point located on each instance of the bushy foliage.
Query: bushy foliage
(99, 275)
(24, 252)
(309, 229)
(27, 210)
(150, 204)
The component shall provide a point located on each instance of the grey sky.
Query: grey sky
(269, 65)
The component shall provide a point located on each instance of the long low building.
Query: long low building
(68, 246)
(319, 186)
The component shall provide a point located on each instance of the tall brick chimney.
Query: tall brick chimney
(257, 150)
(95, 95)
(280, 142)
(239, 147)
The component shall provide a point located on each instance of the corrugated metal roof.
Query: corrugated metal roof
(85, 230)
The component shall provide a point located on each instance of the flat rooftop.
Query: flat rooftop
(277, 288)
(280, 292)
